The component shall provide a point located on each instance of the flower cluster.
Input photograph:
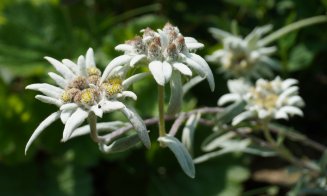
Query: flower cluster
(244, 57)
(166, 51)
(79, 93)
(276, 99)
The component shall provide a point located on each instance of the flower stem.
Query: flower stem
(161, 104)
(92, 119)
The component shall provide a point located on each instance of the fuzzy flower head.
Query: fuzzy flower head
(79, 92)
(165, 51)
(244, 57)
(276, 99)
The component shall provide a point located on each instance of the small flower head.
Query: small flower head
(166, 51)
(276, 99)
(244, 57)
(113, 85)
(80, 93)
(69, 95)
(93, 71)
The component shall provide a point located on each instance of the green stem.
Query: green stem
(92, 119)
(161, 104)
(292, 27)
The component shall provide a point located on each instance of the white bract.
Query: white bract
(244, 57)
(165, 51)
(276, 99)
(79, 92)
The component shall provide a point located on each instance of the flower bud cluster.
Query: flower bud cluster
(165, 44)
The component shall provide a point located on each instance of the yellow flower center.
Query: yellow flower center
(93, 71)
(113, 85)
(264, 96)
(88, 96)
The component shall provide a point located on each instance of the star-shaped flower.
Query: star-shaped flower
(79, 93)
(276, 99)
(165, 51)
(244, 57)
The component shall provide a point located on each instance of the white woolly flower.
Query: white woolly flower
(244, 57)
(166, 51)
(276, 99)
(79, 93)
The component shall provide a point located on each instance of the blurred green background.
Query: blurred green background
(32, 29)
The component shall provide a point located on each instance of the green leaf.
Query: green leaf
(183, 157)
(300, 58)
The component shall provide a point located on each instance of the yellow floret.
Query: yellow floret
(93, 71)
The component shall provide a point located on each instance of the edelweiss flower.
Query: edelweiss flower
(80, 93)
(276, 99)
(244, 57)
(167, 51)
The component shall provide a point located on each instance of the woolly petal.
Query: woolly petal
(291, 110)
(90, 62)
(262, 113)
(69, 106)
(124, 47)
(127, 82)
(267, 50)
(191, 83)
(136, 59)
(46, 89)
(288, 83)
(76, 119)
(282, 97)
(138, 125)
(228, 98)
(163, 39)
(242, 116)
(156, 69)
(219, 34)
(192, 46)
(203, 67)
(61, 68)
(238, 86)
(120, 60)
(60, 81)
(281, 115)
(183, 69)
(295, 100)
(49, 100)
(65, 115)
(107, 126)
(43, 125)
(190, 40)
(82, 66)
(215, 57)
(176, 95)
(167, 70)
(71, 65)
(98, 111)
(109, 106)
(129, 94)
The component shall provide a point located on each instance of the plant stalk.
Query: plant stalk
(161, 104)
